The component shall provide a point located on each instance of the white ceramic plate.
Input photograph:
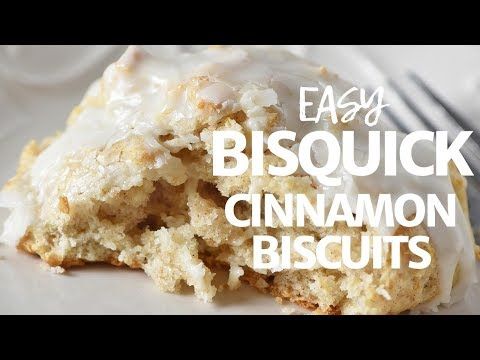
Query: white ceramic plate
(40, 108)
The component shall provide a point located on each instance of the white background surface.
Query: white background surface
(40, 85)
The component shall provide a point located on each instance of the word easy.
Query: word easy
(328, 106)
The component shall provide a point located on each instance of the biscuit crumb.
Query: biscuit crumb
(58, 270)
(234, 277)
(322, 70)
(289, 310)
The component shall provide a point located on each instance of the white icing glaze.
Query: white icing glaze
(140, 95)
(216, 93)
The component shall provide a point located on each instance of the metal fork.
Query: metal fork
(416, 106)
(434, 114)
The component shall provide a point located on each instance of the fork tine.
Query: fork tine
(459, 119)
(411, 105)
(390, 117)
